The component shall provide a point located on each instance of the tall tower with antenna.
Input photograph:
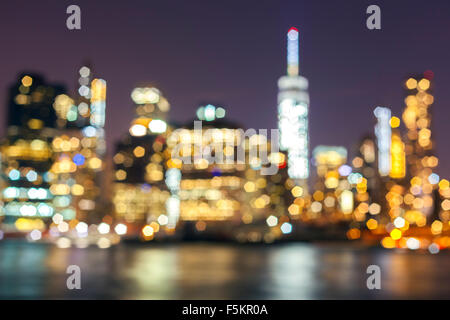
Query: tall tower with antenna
(293, 109)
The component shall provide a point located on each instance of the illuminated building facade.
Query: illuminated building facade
(27, 154)
(394, 188)
(91, 159)
(383, 134)
(146, 179)
(398, 155)
(332, 200)
(384, 180)
(266, 197)
(293, 109)
(224, 191)
(370, 188)
(419, 148)
(414, 191)
(444, 201)
(210, 191)
(78, 171)
(365, 162)
(380, 165)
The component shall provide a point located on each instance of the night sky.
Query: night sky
(233, 52)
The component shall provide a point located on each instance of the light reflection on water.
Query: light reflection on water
(220, 271)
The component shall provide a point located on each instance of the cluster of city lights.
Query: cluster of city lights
(54, 185)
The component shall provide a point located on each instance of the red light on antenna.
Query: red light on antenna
(428, 75)
(293, 28)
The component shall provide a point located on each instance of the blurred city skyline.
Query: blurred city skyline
(100, 151)
(233, 53)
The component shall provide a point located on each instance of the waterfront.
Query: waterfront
(221, 271)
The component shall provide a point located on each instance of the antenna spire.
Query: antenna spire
(292, 52)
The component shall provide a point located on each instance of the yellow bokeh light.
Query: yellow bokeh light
(27, 81)
(297, 191)
(147, 231)
(372, 224)
(139, 152)
(77, 190)
(388, 243)
(95, 163)
(411, 83)
(331, 182)
(424, 84)
(396, 234)
(121, 174)
(394, 122)
(249, 187)
(294, 209)
(318, 195)
(444, 184)
(436, 227)
(353, 234)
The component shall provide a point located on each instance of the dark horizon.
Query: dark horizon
(233, 53)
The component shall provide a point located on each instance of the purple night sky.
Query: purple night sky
(233, 52)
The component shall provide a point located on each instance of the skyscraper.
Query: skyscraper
(79, 148)
(293, 105)
(383, 133)
(226, 192)
(27, 153)
(419, 148)
(145, 176)
(211, 188)
(332, 199)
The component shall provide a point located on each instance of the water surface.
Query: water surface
(220, 271)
